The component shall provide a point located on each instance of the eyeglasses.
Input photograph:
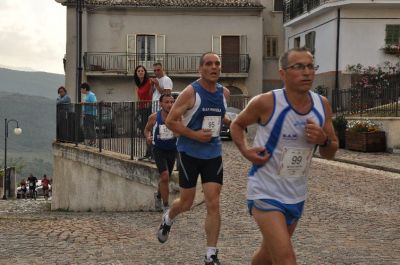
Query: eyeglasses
(302, 67)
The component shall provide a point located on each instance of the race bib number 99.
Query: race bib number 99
(165, 133)
(295, 162)
(213, 123)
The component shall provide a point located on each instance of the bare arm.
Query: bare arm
(226, 119)
(258, 110)
(184, 102)
(149, 127)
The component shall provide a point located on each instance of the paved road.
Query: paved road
(351, 217)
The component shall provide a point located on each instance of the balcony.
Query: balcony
(295, 8)
(175, 64)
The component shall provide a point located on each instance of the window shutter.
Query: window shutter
(243, 44)
(160, 49)
(216, 44)
(392, 34)
(131, 53)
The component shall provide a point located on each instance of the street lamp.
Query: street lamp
(17, 131)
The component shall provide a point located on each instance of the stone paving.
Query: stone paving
(351, 217)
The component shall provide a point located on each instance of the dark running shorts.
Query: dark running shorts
(210, 170)
(165, 160)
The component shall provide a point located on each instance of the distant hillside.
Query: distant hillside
(30, 83)
(37, 119)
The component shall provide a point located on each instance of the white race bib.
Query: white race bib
(213, 123)
(165, 133)
(294, 162)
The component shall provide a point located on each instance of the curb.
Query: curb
(367, 165)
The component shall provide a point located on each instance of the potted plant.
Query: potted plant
(392, 49)
(340, 126)
(322, 90)
(366, 136)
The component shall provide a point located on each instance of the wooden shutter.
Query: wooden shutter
(131, 61)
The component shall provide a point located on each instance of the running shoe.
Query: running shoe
(163, 231)
(213, 260)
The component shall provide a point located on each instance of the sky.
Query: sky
(32, 35)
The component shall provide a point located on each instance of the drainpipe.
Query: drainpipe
(336, 96)
(79, 4)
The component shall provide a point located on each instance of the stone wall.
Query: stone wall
(86, 180)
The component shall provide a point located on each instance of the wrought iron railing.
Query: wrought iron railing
(174, 63)
(112, 126)
(295, 8)
(370, 101)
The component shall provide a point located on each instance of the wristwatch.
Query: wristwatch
(327, 142)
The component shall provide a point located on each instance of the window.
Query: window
(310, 41)
(145, 49)
(278, 5)
(296, 43)
(233, 51)
(270, 46)
(392, 34)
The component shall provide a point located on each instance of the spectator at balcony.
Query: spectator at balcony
(63, 105)
(63, 98)
(89, 113)
(161, 84)
(144, 95)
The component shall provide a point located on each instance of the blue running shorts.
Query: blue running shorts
(292, 212)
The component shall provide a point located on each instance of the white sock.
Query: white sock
(210, 251)
(168, 221)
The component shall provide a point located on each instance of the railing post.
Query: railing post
(397, 87)
(362, 101)
(77, 122)
(100, 125)
(131, 125)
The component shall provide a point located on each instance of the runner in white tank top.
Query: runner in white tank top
(291, 123)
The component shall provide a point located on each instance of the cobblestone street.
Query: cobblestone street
(351, 217)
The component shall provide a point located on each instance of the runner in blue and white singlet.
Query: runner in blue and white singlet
(163, 138)
(207, 113)
(284, 176)
(164, 149)
(291, 123)
(197, 117)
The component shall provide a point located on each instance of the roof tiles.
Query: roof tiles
(174, 3)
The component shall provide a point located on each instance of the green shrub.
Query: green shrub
(340, 123)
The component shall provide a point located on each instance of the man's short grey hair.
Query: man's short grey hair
(204, 55)
(283, 59)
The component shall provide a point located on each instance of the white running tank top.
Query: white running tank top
(284, 176)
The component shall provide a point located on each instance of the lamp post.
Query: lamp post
(17, 131)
